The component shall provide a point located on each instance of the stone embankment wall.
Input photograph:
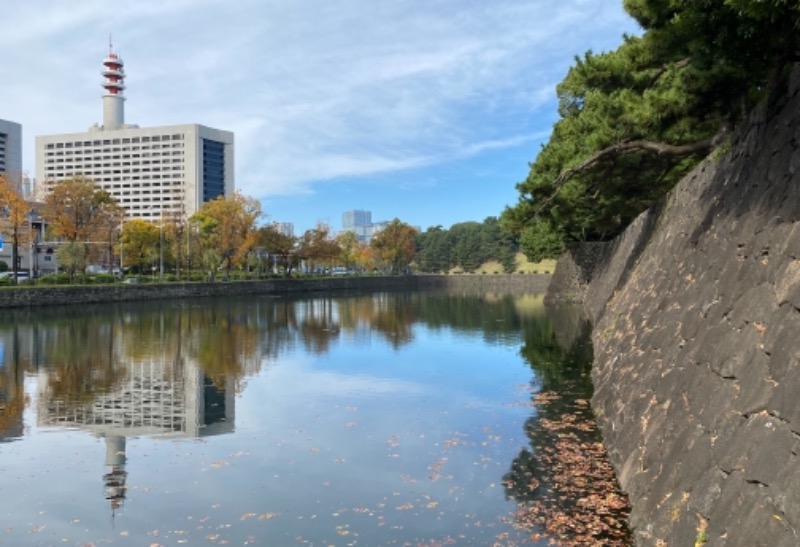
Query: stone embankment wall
(15, 297)
(696, 312)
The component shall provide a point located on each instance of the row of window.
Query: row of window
(175, 147)
(176, 164)
(109, 142)
(164, 187)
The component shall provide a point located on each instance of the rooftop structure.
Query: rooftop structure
(152, 172)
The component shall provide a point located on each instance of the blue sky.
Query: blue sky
(424, 110)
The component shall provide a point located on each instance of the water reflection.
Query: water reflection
(432, 376)
(564, 482)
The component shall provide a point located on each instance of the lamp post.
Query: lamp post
(31, 271)
(161, 245)
(121, 247)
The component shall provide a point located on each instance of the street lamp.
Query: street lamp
(161, 244)
(121, 247)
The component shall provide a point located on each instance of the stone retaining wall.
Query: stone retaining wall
(697, 346)
(14, 297)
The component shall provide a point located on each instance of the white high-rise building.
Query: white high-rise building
(11, 148)
(152, 172)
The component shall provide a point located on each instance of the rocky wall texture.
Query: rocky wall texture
(575, 270)
(697, 346)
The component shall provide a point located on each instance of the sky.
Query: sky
(429, 111)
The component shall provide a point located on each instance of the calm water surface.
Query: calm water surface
(384, 419)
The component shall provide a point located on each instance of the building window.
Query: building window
(213, 169)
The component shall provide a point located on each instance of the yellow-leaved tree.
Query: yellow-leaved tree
(80, 212)
(396, 246)
(227, 228)
(14, 217)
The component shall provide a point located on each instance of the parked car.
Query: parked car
(19, 275)
(100, 269)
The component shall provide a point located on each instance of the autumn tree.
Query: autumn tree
(281, 248)
(317, 246)
(73, 208)
(366, 259)
(348, 248)
(140, 240)
(110, 216)
(396, 246)
(176, 239)
(227, 227)
(73, 257)
(14, 218)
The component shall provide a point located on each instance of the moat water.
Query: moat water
(374, 419)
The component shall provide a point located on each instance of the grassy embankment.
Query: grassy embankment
(523, 266)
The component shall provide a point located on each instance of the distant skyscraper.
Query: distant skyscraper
(11, 148)
(359, 222)
(151, 172)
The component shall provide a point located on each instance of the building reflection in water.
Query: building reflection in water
(154, 398)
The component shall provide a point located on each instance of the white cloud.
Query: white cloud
(314, 90)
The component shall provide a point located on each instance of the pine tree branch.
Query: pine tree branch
(620, 149)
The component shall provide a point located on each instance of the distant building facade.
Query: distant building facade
(285, 228)
(11, 148)
(151, 172)
(359, 222)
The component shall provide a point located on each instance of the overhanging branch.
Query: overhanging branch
(623, 148)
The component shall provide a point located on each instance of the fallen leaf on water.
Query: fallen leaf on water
(267, 516)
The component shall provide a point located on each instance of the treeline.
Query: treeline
(223, 236)
(466, 245)
(635, 120)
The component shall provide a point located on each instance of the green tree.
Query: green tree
(635, 120)
(140, 240)
(541, 241)
(434, 248)
(498, 244)
(467, 245)
(72, 257)
(396, 246)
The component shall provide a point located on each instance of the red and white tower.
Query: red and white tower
(113, 101)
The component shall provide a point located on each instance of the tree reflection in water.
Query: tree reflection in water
(564, 484)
